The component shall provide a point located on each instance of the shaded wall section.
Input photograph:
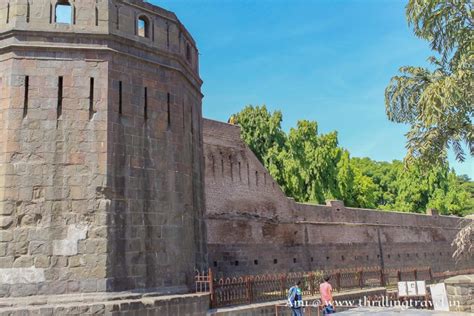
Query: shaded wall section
(252, 227)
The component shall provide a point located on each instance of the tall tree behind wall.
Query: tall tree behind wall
(437, 102)
(311, 167)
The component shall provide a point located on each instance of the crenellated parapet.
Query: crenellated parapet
(253, 228)
(133, 23)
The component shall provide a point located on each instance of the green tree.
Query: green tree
(384, 175)
(468, 186)
(261, 130)
(365, 191)
(437, 103)
(346, 179)
(312, 167)
(416, 188)
(310, 164)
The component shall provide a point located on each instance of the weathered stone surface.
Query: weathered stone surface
(23, 262)
(109, 304)
(6, 235)
(68, 246)
(21, 275)
(100, 149)
(102, 166)
(42, 261)
(460, 291)
(5, 222)
(253, 228)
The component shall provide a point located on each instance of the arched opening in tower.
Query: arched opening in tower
(143, 27)
(63, 12)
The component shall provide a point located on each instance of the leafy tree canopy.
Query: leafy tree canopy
(312, 167)
(437, 102)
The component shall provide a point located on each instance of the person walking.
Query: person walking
(325, 289)
(295, 300)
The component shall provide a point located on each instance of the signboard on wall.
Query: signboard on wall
(402, 289)
(411, 288)
(439, 297)
(421, 288)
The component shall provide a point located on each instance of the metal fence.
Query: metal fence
(261, 288)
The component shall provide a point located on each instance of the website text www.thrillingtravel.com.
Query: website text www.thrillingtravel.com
(383, 301)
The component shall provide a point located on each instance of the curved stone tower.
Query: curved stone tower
(101, 185)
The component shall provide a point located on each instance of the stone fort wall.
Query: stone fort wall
(100, 149)
(253, 228)
(104, 156)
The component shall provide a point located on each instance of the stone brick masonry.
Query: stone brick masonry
(253, 228)
(100, 149)
(113, 304)
(103, 159)
(460, 291)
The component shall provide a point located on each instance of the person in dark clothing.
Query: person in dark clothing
(295, 300)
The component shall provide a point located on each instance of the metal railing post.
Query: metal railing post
(382, 278)
(248, 289)
(282, 285)
(210, 279)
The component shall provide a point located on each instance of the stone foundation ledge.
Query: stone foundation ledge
(119, 303)
(461, 289)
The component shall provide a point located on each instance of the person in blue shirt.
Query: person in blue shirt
(295, 300)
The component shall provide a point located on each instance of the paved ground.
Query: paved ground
(397, 312)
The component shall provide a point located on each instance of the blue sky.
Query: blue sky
(323, 60)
